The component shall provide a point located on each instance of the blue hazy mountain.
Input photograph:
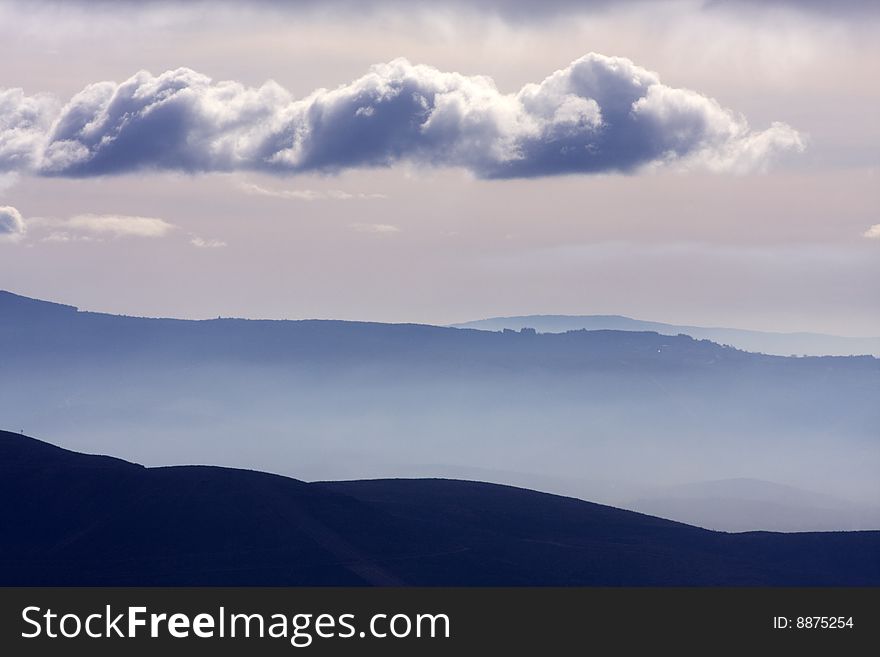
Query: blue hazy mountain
(602, 415)
(75, 519)
(780, 344)
(749, 504)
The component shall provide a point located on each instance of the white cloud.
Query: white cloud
(12, 226)
(307, 194)
(598, 114)
(382, 229)
(24, 123)
(119, 225)
(84, 227)
(65, 237)
(873, 233)
(201, 243)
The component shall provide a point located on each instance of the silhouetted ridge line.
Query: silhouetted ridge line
(75, 519)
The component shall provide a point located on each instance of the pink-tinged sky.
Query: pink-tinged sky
(712, 163)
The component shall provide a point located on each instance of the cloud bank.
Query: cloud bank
(509, 9)
(599, 114)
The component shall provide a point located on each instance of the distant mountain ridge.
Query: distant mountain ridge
(597, 414)
(770, 343)
(74, 519)
(779, 344)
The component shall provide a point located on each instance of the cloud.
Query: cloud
(839, 8)
(873, 233)
(516, 10)
(201, 243)
(84, 227)
(12, 226)
(119, 225)
(24, 123)
(599, 114)
(65, 237)
(381, 229)
(307, 194)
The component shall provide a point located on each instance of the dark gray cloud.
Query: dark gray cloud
(598, 114)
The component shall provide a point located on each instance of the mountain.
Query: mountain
(76, 519)
(780, 344)
(601, 415)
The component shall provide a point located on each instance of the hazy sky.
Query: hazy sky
(709, 163)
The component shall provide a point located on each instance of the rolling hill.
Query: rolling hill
(75, 519)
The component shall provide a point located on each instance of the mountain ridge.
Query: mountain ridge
(602, 413)
(767, 342)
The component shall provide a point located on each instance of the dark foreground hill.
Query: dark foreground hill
(75, 519)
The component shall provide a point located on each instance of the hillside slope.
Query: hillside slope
(74, 519)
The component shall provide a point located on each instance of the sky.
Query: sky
(695, 162)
